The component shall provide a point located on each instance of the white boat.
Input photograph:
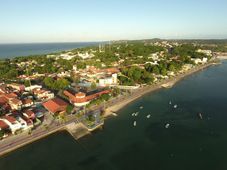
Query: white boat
(175, 106)
(170, 102)
(133, 114)
(141, 107)
(134, 123)
(148, 116)
(200, 116)
(137, 113)
(167, 125)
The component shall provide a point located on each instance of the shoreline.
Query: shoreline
(152, 88)
(120, 104)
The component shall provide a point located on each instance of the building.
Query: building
(15, 104)
(31, 88)
(42, 94)
(29, 114)
(55, 105)
(206, 52)
(107, 81)
(27, 102)
(16, 86)
(3, 126)
(200, 61)
(13, 124)
(80, 99)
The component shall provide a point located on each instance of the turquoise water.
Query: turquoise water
(188, 144)
(15, 50)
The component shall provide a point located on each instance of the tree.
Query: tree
(156, 70)
(164, 71)
(48, 81)
(93, 86)
(69, 109)
(27, 83)
(171, 67)
(61, 84)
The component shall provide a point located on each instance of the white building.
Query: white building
(200, 61)
(13, 124)
(107, 81)
(30, 88)
(43, 94)
(85, 55)
(207, 52)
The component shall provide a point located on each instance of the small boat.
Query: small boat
(170, 102)
(148, 116)
(134, 123)
(175, 106)
(167, 125)
(141, 107)
(200, 116)
(137, 113)
(133, 114)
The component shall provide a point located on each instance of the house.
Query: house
(29, 114)
(80, 99)
(24, 124)
(15, 104)
(43, 94)
(200, 61)
(27, 102)
(3, 125)
(31, 88)
(16, 86)
(13, 124)
(206, 52)
(55, 105)
(3, 100)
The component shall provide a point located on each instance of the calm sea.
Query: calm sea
(188, 144)
(14, 50)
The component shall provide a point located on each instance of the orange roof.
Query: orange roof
(112, 70)
(27, 101)
(10, 95)
(80, 95)
(16, 101)
(9, 118)
(55, 105)
(3, 125)
(29, 113)
(3, 100)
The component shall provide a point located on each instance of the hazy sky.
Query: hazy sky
(95, 20)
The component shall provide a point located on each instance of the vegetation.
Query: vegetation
(58, 84)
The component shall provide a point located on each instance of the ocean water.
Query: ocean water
(15, 50)
(188, 144)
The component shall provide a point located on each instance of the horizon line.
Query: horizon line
(102, 41)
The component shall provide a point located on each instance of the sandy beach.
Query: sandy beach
(125, 100)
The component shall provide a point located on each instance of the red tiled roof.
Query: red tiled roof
(3, 125)
(3, 100)
(15, 101)
(9, 118)
(76, 99)
(10, 95)
(30, 114)
(27, 101)
(55, 105)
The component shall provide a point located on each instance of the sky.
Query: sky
(24, 21)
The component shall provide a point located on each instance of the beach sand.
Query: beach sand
(125, 100)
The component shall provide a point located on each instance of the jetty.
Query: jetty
(77, 130)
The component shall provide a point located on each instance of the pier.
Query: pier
(77, 130)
